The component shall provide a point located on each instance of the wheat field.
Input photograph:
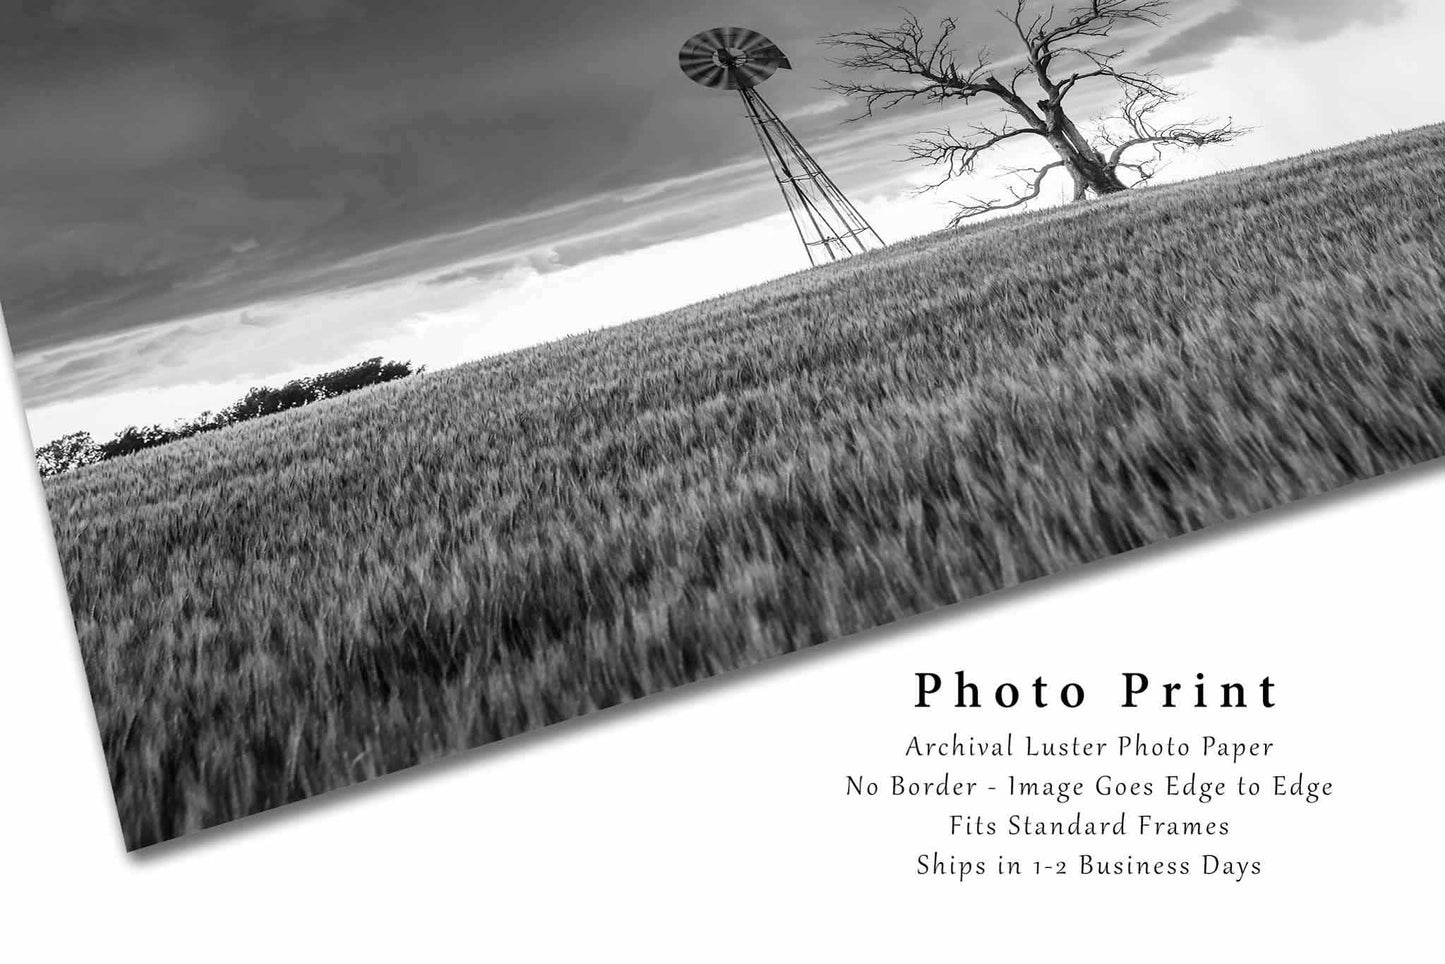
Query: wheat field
(327, 595)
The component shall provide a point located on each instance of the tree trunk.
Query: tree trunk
(1082, 157)
(1102, 180)
(1091, 173)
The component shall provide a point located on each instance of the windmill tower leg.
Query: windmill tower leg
(828, 224)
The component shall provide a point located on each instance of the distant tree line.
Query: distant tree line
(78, 448)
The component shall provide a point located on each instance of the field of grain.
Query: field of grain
(324, 596)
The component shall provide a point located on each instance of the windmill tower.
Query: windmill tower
(733, 58)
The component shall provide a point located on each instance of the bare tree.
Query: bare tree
(1062, 52)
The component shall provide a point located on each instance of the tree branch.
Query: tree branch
(958, 155)
(1139, 129)
(1047, 42)
(932, 70)
(1033, 186)
(1094, 19)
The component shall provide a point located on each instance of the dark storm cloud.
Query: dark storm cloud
(166, 158)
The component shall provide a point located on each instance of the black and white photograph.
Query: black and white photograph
(408, 377)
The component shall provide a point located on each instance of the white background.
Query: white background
(712, 823)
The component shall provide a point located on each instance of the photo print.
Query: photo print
(406, 377)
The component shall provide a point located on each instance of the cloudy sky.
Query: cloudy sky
(203, 195)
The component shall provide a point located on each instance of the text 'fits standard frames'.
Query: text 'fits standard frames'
(735, 58)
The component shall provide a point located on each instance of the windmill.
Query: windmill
(734, 58)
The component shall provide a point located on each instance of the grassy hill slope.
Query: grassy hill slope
(317, 598)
